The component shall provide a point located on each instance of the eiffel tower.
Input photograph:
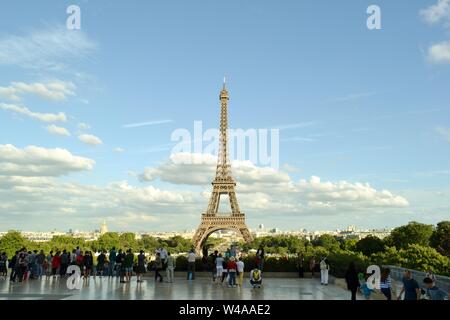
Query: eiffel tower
(223, 184)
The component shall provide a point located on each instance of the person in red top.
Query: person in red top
(232, 268)
(56, 263)
(80, 260)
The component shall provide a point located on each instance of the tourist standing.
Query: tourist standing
(312, 266)
(386, 283)
(140, 270)
(158, 266)
(118, 267)
(219, 268)
(240, 271)
(324, 269)
(73, 257)
(128, 265)
(163, 255)
(40, 259)
(232, 268)
(22, 264)
(12, 266)
(300, 263)
(410, 287)
(112, 261)
(48, 264)
(260, 254)
(351, 277)
(101, 259)
(56, 264)
(64, 263)
(32, 264)
(171, 265)
(212, 264)
(88, 263)
(3, 265)
(191, 265)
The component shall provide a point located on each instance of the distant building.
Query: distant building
(103, 228)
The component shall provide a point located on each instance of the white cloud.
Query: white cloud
(439, 52)
(444, 133)
(45, 117)
(83, 126)
(54, 90)
(119, 150)
(37, 161)
(51, 48)
(274, 190)
(440, 11)
(58, 130)
(90, 139)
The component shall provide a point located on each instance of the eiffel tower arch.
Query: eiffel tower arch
(223, 184)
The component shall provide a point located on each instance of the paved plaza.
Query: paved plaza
(199, 289)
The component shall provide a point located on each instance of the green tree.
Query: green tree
(108, 240)
(440, 239)
(369, 245)
(412, 233)
(11, 242)
(128, 241)
(328, 242)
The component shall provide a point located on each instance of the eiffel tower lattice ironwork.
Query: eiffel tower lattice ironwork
(223, 184)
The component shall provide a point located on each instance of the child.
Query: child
(255, 278)
(363, 286)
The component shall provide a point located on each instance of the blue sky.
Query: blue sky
(363, 106)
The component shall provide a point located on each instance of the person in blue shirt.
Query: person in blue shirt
(433, 292)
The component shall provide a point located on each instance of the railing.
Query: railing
(442, 282)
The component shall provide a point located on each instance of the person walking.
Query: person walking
(163, 255)
(112, 262)
(324, 269)
(351, 278)
(232, 268)
(171, 265)
(312, 266)
(386, 283)
(158, 266)
(191, 265)
(240, 272)
(410, 287)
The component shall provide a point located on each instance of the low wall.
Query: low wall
(442, 282)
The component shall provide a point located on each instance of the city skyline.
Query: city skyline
(86, 116)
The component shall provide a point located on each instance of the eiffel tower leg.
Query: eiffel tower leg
(198, 238)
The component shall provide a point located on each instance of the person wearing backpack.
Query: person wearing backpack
(255, 278)
(112, 262)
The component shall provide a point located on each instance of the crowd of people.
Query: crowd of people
(226, 269)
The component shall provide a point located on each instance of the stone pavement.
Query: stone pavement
(199, 289)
